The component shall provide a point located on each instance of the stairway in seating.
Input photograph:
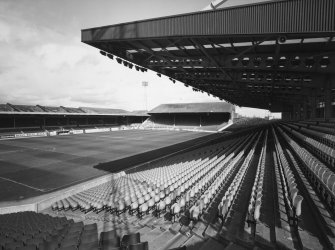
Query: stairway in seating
(164, 235)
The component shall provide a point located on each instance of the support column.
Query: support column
(295, 112)
(328, 100)
(312, 101)
(307, 109)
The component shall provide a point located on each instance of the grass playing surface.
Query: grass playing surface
(33, 166)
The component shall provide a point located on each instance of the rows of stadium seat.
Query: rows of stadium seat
(186, 193)
(319, 172)
(322, 212)
(33, 231)
(227, 200)
(29, 230)
(325, 152)
(162, 123)
(319, 123)
(327, 139)
(206, 190)
(314, 173)
(328, 129)
(183, 188)
(255, 202)
(140, 187)
(247, 123)
(289, 187)
(323, 178)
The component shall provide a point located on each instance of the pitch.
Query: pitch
(34, 166)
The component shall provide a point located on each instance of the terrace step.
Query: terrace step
(157, 241)
(177, 241)
(212, 244)
(151, 235)
(194, 243)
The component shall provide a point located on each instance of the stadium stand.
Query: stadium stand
(190, 116)
(265, 186)
(103, 110)
(23, 119)
(38, 108)
(246, 122)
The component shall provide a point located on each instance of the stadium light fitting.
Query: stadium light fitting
(159, 74)
(137, 68)
(125, 63)
(110, 56)
(130, 65)
(324, 62)
(103, 53)
(295, 61)
(119, 60)
(309, 62)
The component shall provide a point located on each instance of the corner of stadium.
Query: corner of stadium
(186, 175)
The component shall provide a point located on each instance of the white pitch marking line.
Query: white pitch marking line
(12, 151)
(111, 137)
(41, 190)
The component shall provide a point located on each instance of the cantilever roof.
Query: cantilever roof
(11, 109)
(207, 107)
(264, 55)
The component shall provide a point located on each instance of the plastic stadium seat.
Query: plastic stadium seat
(76, 227)
(130, 239)
(70, 241)
(90, 227)
(89, 237)
(139, 246)
(184, 221)
(175, 210)
(297, 204)
(109, 246)
(108, 235)
(109, 239)
(195, 212)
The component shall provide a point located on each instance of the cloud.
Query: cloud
(42, 60)
(54, 56)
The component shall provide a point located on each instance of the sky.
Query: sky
(42, 59)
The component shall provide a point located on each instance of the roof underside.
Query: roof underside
(184, 108)
(263, 55)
